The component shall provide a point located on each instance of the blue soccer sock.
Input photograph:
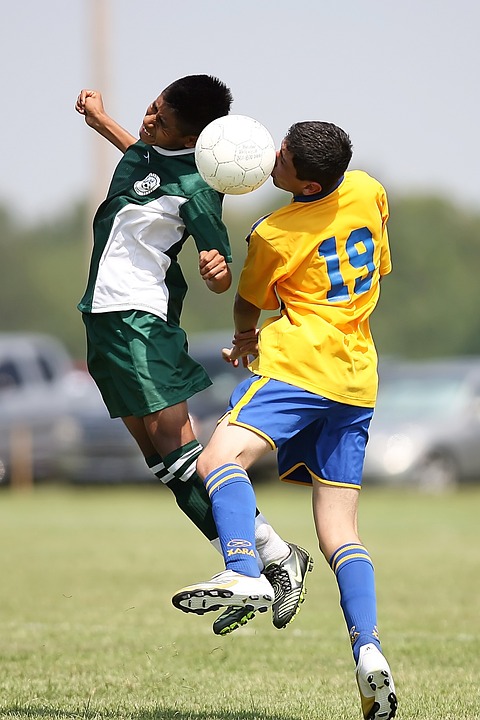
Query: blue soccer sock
(234, 507)
(353, 569)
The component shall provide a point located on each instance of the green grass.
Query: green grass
(88, 631)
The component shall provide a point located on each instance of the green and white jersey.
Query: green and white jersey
(156, 200)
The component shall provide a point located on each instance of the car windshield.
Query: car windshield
(407, 397)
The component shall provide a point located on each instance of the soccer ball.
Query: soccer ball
(235, 154)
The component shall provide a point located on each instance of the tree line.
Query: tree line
(428, 305)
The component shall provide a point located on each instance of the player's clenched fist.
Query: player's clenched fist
(90, 104)
(214, 270)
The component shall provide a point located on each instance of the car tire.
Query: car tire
(439, 473)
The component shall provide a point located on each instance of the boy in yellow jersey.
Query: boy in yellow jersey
(319, 260)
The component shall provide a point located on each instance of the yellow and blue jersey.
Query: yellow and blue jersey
(320, 260)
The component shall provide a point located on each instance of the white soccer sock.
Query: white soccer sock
(270, 546)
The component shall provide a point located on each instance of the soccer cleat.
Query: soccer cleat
(225, 589)
(375, 683)
(232, 618)
(288, 579)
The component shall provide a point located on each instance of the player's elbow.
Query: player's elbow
(244, 306)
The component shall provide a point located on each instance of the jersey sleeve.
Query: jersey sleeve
(202, 215)
(385, 257)
(262, 269)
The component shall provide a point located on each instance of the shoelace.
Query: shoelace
(280, 578)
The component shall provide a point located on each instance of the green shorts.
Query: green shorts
(140, 363)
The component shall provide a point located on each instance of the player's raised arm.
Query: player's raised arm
(214, 271)
(90, 104)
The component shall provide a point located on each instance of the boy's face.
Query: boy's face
(159, 128)
(284, 174)
(285, 177)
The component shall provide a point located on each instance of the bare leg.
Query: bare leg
(335, 515)
(163, 431)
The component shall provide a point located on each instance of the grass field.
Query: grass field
(88, 631)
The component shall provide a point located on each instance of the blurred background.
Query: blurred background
(400, 78)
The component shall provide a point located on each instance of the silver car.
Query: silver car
(209, 405)
(53, 422)
(426, 426)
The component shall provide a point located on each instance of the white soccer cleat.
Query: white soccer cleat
(375, 683)
(225, 589)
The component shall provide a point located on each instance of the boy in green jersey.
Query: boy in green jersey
(137, 352)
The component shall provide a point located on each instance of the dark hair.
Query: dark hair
(321, 151)
(197, 100)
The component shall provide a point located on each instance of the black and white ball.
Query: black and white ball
(235, 154)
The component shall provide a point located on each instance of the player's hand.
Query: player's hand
(214, 270)
(245, 346)
(246, 343)
(230, 355)
(211, 264)
(90, 104)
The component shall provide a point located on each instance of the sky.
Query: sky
(400, 77)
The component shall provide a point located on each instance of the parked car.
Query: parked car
(101, 448)
(33, 408)
(53, 423)
(209, 405)
(426, 426)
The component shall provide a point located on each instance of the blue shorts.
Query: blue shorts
(317, 438)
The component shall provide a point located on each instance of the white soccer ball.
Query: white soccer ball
(235, 154)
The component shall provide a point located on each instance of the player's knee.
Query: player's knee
(205, 463)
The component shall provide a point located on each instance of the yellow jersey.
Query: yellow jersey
(320, 259)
